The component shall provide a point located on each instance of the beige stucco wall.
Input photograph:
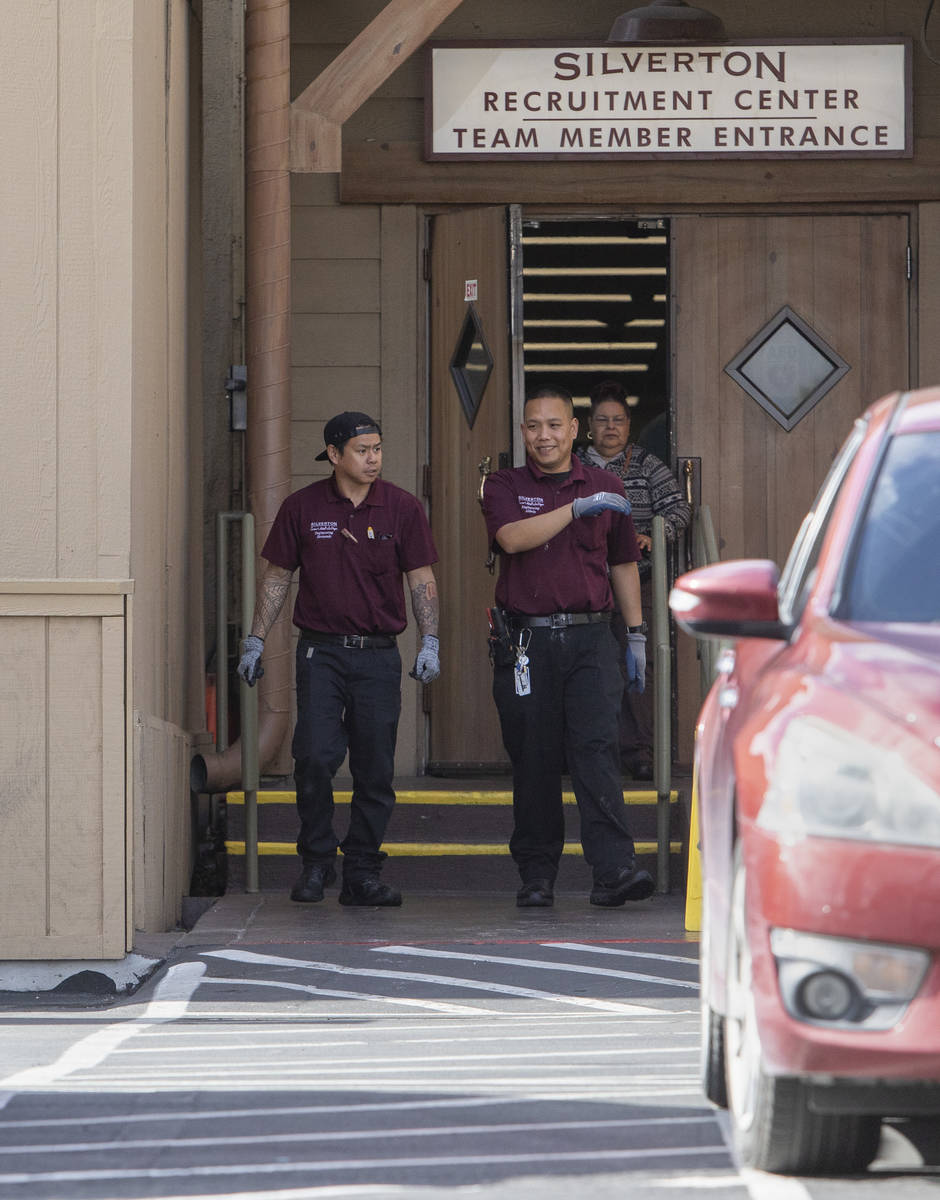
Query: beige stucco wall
(94, 460)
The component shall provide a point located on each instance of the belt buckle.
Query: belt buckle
(560, 621)
(353, 641)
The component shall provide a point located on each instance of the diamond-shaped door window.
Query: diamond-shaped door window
(787, 368)
(471, 364)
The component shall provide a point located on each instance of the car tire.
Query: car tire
(712, 1043)
(712, 1065)
(772, 1124)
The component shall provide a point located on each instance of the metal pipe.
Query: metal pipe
(705, 551)
(248, 707)
(222, 522)
(267, 352)
(662, 696)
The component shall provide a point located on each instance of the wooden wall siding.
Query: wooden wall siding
(355, 324)
(63, 785)
(338, 21)
(336, 322)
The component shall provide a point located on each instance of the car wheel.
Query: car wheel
(712, 1043)
(773, 1126)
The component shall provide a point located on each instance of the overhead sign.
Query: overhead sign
(739, 100)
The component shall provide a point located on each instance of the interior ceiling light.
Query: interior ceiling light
(594, 241)
(612, 297)
(594, 271)
(667, 21)
(590, 345)
(596, 368)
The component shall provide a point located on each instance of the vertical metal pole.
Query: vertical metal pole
(221, 632)
(248, 697)
(516, 313)
(662, 696)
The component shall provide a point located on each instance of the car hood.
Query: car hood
(892, 669)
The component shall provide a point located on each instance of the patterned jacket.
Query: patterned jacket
(651, 488)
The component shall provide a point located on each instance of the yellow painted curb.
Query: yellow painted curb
(441, 797)
(435, 849)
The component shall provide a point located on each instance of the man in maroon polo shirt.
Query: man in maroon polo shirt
(353, 537)
(568, 553)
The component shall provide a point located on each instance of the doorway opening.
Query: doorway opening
(595, 305)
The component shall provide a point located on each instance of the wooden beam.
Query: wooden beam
(397, 173)
(316, 142)
(318, 113)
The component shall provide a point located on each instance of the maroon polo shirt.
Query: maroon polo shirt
(569, 572)
(349, 586)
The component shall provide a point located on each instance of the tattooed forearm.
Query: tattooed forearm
(272, 592)
(425, 607)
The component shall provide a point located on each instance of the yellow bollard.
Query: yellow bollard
(693, 891)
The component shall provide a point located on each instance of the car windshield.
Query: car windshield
(895, 575)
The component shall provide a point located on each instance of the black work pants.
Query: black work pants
(571, 716)
(346, 699)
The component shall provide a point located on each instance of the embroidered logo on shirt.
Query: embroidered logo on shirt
(531, 504)
(323, 529)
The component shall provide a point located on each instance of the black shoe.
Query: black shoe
(313, 879)
(369, 892)
(630, 883)
(537, 893)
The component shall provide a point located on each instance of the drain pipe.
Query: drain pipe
(267, 332)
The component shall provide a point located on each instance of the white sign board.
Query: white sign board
(786, 99)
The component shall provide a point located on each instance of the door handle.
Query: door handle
(485, 468)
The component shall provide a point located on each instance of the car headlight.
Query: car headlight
(826, 782)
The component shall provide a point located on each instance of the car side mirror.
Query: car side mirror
(736, 599)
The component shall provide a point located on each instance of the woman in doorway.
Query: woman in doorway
(652, 490)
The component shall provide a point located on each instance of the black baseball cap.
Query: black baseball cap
(339, 429)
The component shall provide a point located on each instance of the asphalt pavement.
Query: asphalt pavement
(272, 918)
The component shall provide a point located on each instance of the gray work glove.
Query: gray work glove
(635, 659)
(249, 666)
(590, 506)
(427, 664)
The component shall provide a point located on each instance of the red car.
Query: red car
(817, 770)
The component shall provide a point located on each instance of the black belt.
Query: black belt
(351, 641)
(557, 620)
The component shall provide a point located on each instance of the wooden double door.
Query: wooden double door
(845, 278)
